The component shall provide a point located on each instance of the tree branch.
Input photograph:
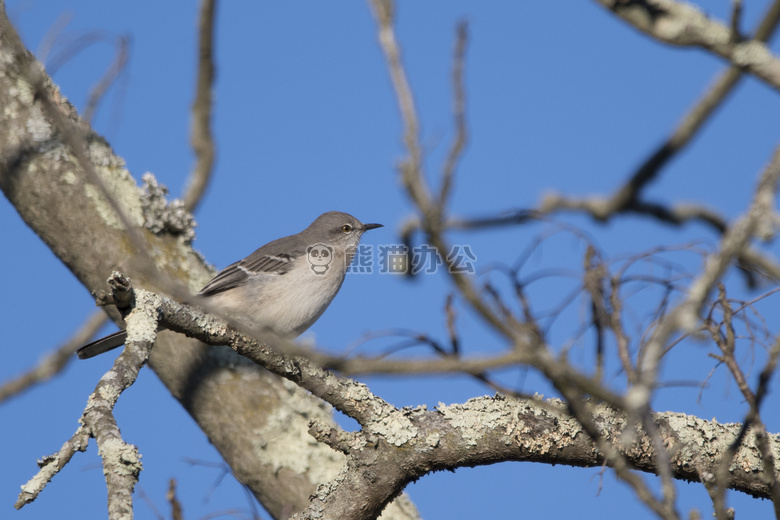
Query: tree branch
(54, 362)
(200, 133)
(685, 315)
(398, 446)
(121, 461)
(628, 197)
(679, 23)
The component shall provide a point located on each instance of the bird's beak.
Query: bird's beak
(366, 227)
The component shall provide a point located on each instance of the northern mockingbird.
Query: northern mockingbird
(285, 285)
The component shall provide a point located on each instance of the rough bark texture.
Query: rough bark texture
(395, 447)
(679, 23)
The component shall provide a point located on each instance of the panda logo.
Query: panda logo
(320, 256)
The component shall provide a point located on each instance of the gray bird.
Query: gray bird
(285, 285)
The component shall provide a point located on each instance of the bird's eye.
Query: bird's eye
(346, 228)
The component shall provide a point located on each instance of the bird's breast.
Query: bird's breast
(287, 303)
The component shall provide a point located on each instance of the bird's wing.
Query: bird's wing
(274, 258)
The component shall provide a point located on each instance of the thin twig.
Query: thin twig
(736, 19)
(176, 512)
(593, 283)
(121, 46)
(201, 137)
(727, 343)
(616, 324)
(55, 361)
(685, 315)
(108, 79)
(51, 465)
(459, 112)
(411, 169)
(628, 198)
(121, 461)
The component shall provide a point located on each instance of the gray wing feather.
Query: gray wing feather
(229, 277)
(275, 257)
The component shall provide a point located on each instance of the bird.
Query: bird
(284, 285)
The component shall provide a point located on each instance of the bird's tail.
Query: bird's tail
(117, 339)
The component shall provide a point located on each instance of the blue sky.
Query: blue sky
(306, 122)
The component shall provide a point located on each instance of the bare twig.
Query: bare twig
(593, 283)
(54, 362)
(750, 259)
(736, 19)
(141, 495)
(616, 324)
(121, 46)
(686, 314)
(449, 311)
(176, 512)
(201, 138)
(459, 111)
(121, 461)
(727, 344)
(411, 169)
(627, 198)
(582, 412)
(110, 76)
(51, 465)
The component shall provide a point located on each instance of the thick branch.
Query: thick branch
(679, 23)
(400, 446)
(487, 430)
